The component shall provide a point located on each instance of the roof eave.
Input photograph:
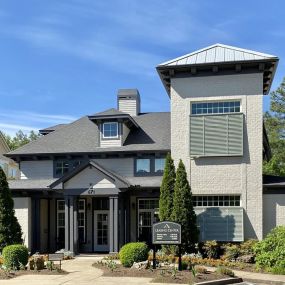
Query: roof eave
(110, 117)
(160, 68)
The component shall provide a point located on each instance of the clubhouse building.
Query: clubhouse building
(93, 185)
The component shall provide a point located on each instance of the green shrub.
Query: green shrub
(270, 252)
(225, 271)
(15, 256)
(277, 270)
(247, 247)
(211, 249)
(232, 251)
(37, 262)
(201, 269)
(133, 252)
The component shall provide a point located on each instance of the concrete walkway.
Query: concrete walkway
(266, 278)
(81, 272)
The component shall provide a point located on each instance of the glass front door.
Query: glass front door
(147, 216)
(101, 231)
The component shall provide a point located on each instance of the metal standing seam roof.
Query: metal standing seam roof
(218, 53)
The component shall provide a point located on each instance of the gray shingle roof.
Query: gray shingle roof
(51, 129)
(30, 184)
(82, 136)
(109, 112)
(149, 181)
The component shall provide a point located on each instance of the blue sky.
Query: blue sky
(62, 59)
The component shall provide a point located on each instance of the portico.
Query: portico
(103, 194)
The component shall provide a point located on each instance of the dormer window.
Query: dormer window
(110, 130)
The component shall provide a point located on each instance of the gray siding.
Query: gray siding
(273, 211)
(122, 166)
(128, 106)
(221, 224)
(36, 169)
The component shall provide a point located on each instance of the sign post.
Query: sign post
(166, 233)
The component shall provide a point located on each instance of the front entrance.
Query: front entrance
(101, 231)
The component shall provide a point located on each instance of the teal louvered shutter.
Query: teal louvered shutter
(220, 223)
(235, 135)
(216, 135)
(197, 135)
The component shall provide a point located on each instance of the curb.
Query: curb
(222, 281)
(267, 282)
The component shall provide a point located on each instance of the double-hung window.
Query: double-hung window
(110, 130)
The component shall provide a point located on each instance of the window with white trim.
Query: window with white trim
(221, 107)
(217, 201)
(110, 130)
(147, 215)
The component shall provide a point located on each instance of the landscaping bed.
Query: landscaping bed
(159, 275)
(11, 274)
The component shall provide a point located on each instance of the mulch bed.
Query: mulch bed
(159, 275)
(12, 274)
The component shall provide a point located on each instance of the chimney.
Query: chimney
(129, 101)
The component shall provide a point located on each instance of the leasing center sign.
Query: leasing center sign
(166, 233)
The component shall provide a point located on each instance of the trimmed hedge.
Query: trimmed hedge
(15, 256)
(270, 252)
(133, 252)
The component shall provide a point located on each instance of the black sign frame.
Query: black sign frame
(167, 233)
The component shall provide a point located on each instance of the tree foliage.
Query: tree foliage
(167, 190)
(10, 229)
(20, 139)
(275, 126)
(183, 210)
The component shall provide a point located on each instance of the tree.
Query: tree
(10, 229)
(183, 210)
(275, 126)
(20, 139)
(167, 190)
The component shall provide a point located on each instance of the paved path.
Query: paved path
(81, 272)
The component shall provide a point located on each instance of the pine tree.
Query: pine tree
(275, 126)
(183, 211)
(10, 229)
(166, 190)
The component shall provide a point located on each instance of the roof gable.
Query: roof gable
(218, 53)
(110, 176)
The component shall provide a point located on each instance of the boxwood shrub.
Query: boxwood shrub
(15, 256)
(133, 252)
(270, 252)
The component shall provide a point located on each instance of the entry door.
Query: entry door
(101, 231)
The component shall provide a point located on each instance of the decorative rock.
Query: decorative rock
(140, 265)
(246, 258)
